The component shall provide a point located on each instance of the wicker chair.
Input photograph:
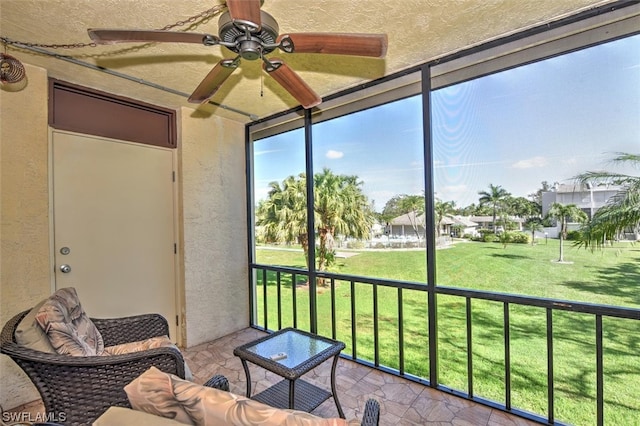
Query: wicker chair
(84, 387)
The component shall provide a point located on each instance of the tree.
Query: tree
(283, 215)
(411, 205)
(493, 197)
(340, 207)
(521, 207)
(443, 209)
(536, 197)
(474, 210)
(533, 225)
(621, 211)
(391, 208)
(565, 213)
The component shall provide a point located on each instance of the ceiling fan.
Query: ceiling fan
(252, 33)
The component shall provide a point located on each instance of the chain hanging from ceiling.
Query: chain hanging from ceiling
(191, 22)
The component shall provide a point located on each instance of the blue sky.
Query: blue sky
(545, 121)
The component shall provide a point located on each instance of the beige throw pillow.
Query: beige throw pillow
(158, 392)
(152, 392)
(69, 329)
(143, 345)
(30, 335)
(213, 407)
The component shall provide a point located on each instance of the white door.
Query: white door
(114, 225)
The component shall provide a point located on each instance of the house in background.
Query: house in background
(486, 222)
(408, 226)
(588, 198)
(464, 226)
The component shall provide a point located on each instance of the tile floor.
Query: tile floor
(401, 402)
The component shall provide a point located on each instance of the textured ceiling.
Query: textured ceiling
(418, 30)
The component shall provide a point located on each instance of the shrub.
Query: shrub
(483, 231)
(519, 238)
(490, 237)
(573, 235)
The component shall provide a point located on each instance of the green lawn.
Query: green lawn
(610, 277)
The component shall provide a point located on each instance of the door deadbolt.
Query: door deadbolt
(65, 269)
(65, 250)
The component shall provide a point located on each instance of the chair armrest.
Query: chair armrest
(84, 387)
(218, 382)
(170, 354)
(371, 416)
(116, 331)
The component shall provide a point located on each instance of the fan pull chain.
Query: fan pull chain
(261, 77)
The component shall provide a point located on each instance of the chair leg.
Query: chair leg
(218, 382)
(371, 416)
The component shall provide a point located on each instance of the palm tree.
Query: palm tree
(340, 207)
(283, 215)
(565, 213)
(521, 207)
(533, 226)
(443, 209)
(493, 197)
(621, 211)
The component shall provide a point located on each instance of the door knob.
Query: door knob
(65, 269)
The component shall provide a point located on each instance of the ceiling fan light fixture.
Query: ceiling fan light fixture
(250, 50)
(230, 32)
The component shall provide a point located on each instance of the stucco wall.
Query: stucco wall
(215, 226)
(24, 255)
(213, 184)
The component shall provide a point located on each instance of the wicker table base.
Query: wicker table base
(307, 396)
(290, 353)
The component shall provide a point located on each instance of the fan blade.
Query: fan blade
(374, 45)
(212, 82)
(245, 11)
(292, 82)
(108, 36)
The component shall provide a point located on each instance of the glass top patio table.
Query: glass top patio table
(304, 351)
(298, 347)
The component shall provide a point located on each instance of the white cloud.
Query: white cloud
(333, 155)
(530, 163)
(268, 151)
